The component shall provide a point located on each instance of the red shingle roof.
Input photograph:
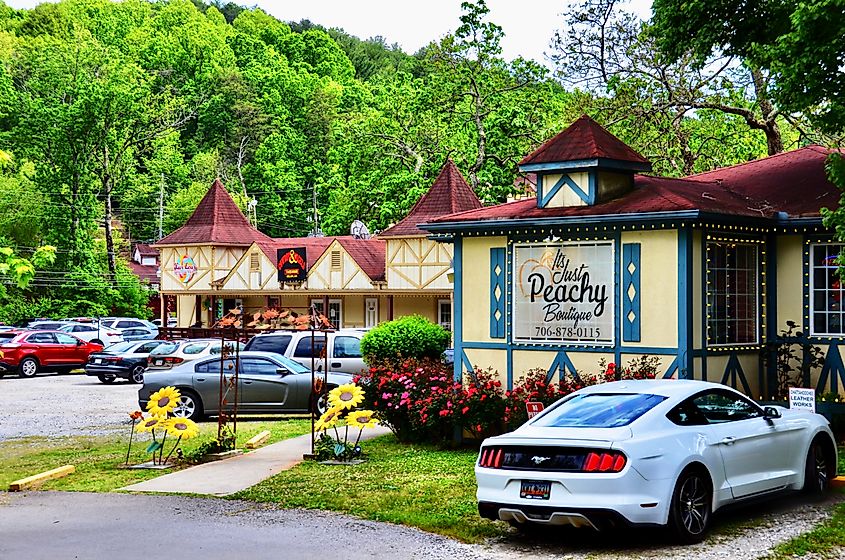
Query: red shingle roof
(449, 194)
(585, 139)
(216, 221)
(146, 272)
(794, 182)
(146, 250)
(368, 253)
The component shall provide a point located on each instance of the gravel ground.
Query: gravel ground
(63, 405)
(748, 533)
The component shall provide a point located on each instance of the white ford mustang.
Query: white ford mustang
(650, 452)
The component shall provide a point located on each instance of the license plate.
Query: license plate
(98, 361)
(535, 490)
(159, 362)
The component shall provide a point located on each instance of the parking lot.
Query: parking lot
(63, 405)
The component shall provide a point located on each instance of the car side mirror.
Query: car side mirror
(771, 412)
(282, 371)
(79, 342)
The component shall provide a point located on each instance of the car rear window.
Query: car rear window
(8, 335)
(347, 347)
(195, 348)
(599, 410)
(119, 348)
(166, 348)
(274, 343)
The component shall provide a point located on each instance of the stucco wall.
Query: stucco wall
(658, 287)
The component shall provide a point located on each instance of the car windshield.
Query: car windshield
(165, 348)
(120, 347)
(598, 410)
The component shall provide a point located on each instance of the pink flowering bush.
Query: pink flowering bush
(421, 402)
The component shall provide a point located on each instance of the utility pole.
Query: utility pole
(315, 217)
(161, 207)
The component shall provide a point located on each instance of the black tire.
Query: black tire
(818, 468)
(28, 367)
(137, 374)
(190, 406)
(691, 506)
(106, 378)
(98, 341)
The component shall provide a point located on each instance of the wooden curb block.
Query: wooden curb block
(37, 479)
(838, 483)
(257, 440)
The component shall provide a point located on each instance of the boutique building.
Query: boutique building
(609, 262)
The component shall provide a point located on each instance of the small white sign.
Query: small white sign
(802, 398)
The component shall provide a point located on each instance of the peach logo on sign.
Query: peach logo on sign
(184, 269)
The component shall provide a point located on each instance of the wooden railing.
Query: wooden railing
(227, 333)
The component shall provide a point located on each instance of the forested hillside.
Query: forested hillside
(116, 117)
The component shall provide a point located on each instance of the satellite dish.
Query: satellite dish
(358, 230)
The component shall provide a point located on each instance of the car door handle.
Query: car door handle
(247, 382)
(728, 440)
(336, 364)
(200, 378)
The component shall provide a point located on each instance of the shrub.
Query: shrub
(403, 393)
(420, 401)
(412, 337)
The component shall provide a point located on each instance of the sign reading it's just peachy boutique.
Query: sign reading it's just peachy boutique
(563, 292)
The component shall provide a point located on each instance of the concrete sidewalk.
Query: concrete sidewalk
(227, 476)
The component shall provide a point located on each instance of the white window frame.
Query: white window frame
(827, 290)
(445, 303)
(370, 313)
(318, 305)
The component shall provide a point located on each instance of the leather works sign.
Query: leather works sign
(291, 264)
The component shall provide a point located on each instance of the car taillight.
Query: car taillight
(612, 462)
(112, 334)
(173, 360)
(491, 457)
(113, 360)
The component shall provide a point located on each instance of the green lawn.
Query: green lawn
(414, 485)
(99, 461)
(419, 486)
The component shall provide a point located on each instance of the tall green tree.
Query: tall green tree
(672, 102)
(477, 84)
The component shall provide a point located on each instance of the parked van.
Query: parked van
(343, 348)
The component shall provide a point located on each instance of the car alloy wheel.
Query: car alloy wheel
(691, 505)
(816, 471)
(137, 375)
(323, 401)
(28, 367)
(188, 406)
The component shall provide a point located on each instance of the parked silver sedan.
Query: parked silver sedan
(268, 384)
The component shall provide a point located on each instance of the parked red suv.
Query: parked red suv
(32, 351)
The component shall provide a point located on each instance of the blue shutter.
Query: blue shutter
(497, 292)
(631, 292)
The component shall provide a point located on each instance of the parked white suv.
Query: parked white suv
(343, 354)
(92, 332)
